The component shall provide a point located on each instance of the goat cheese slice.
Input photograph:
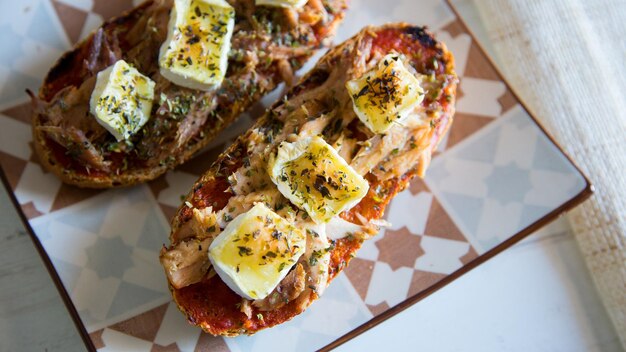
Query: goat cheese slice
(255, 251)
(121, 100)
(386, 94)
(290, 4)
(313, 176)
(195, 52)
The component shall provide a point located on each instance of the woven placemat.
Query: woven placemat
(566, 60)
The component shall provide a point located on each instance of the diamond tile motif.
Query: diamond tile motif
(151, 321)
(111, 8)
(98, 259)
(504, 187)
(106, 252)
(72, 19)
(441, 225)
(43, 28)
(494, 174)
(12, 39)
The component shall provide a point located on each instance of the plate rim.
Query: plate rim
(584, 194)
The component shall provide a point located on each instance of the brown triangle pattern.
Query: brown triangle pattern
(208, 342)
(507, 100)
(69, 195)
(422, 280)
(22, 112)
(111, 8)
(469, 256)
(379, 308)
(96, 339)
(465, 125)
(439, 224)
(359, 272)
(478, 65)
(30, 211)
(169, 348)
(454, 28)
(399, 248)
(417, 186)
(71, 18)
(144, 326)
(13, 168)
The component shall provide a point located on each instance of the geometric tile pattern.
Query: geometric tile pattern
(105, 250)
(502, 179)
(164, 329)
(422, 246)
(494, 174)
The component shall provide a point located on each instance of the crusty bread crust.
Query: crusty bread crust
(69, 71)
(70, 177)
(209, 304)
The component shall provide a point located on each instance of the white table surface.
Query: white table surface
(536, 296)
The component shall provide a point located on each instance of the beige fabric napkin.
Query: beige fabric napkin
(567, 61)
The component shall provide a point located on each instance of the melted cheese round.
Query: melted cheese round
(195, 53)
(385, 95)
(256, 251)
(312, 175)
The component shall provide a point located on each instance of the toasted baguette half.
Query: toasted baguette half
(318, 105)
(268, 44)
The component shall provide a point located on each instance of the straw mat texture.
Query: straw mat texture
(567, 60)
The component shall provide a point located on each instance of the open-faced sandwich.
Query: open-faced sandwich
(147, 90)
(284, 209)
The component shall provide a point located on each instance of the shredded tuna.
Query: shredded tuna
(317, 257)
(292, 17)
(191, 126)
(346, 147)
(202, 225)
(286, 72)
(105, 51)
(246, 307)
(377, 148)
(83, 148)
(414, 152)
(187, 262)
(289, 289)
(240, 204)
